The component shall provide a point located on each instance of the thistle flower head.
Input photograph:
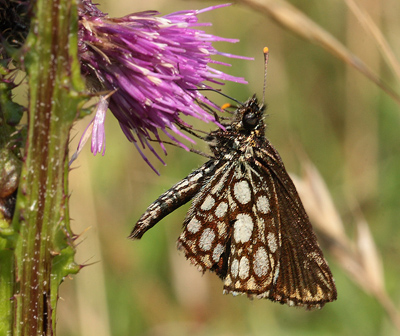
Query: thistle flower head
(153, 66)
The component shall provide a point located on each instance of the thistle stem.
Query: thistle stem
(42, 239)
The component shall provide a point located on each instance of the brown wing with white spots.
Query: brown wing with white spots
(254, 253)
(206, 229)
(304, 277)
(274, 253)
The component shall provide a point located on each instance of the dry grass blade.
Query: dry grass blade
(319, 204)
(369, 25)
(294, 20)
(360, 259)
(369, 255)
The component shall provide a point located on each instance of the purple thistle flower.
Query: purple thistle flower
(152, 66)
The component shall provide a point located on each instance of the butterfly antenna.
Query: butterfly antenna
(222, 94)
(266, 53)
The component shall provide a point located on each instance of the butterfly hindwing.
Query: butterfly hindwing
(206, 229)
(255, 238)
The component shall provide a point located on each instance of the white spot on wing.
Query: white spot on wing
(242, 192)
(244, 268)
(221, 209)
(219, 249)
(263, 204)
(261, 229)
(194, 225)
(206, 239)
(251, 284)
(243, 228)
(196, 177)
(221, 229)
(206, 261)
(235, 268)
(272, 244)
(183, 184)
(261, 262)
(208, 203)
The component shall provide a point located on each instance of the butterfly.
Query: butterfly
(246, 222)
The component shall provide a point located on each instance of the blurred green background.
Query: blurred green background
(347, 127)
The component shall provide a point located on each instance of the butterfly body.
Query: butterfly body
(246, 222)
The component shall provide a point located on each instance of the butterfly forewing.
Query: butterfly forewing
(306, 278)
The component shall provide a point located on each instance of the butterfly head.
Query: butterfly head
(242, 133)
(249, 118)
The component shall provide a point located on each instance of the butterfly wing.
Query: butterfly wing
(172, 199)
(206, 229)
(253, 264)
(304, 277)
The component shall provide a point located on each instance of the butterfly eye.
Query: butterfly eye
(250, 120)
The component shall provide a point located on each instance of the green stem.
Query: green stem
(6, 286)
(10, 165)
(44, 248)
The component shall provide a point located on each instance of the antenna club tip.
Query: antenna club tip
(266, 50)
(225, 106)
